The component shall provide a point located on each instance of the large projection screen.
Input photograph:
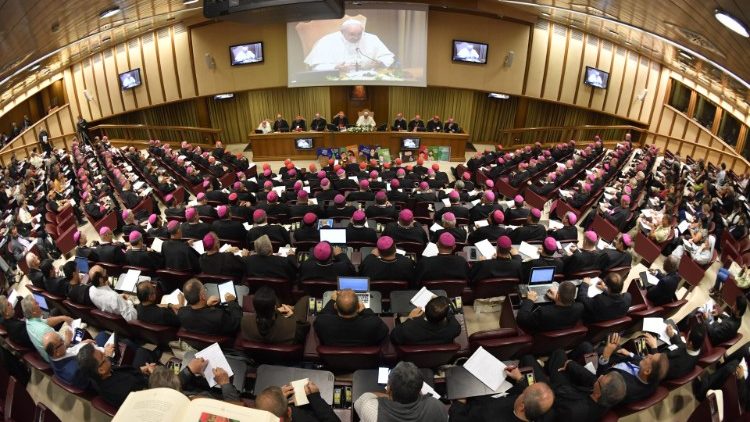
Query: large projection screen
(373, 45)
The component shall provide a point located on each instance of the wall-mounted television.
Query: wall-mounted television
(596, 78)
(469, 52)
(303, 143)
(130, 79)
(410, 143)
(247, 53)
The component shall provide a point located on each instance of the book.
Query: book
(168, 405)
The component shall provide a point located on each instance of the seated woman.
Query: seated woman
(661, 232)
(275, 323)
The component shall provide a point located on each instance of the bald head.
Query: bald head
(347, 303)
(53, 344)
(272, 400)
(610, 389)
(534, 401)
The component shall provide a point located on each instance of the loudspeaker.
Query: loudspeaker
(509, 59)
(88, 96)
(210, 63)
(642, 95)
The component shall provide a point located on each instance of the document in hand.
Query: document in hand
(127, 282)
(435, 227)
(486, 368)
(593, 288)
(168, 405)
(657, 326)
(481, 223)
(430, 250)
(422, 297)
(224, 288)
(485, 248)
(216, 359)
(172, 298)
(300, 397)
(198, 246)
(528, 250)
(156, 246)
(683, 226)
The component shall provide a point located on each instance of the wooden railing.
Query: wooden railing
(556, 134)
(163, 133)
(60, 128)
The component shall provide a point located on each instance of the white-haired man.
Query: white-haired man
(350, 48)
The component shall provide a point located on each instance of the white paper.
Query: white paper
(312, 201)
(528, 250)
(476, 201)
(156, 245)
(485, 248)
(447, 202)
(400, 251)
(110, 340)
(216, 359)
(130, 280)
(735, 269)
(681, 293)
(383, 375)
(426, 389)
(172, 298)
(225, 288)
(430, 250)
(435, 227)
(683, 226)
(422, 297)
(198, 246)
(225, 247)
(13, 298)
(486, 368)
(652, 279)
(590, 367)
(689, 217)
(603, 245)
(594, 290)
(300, 397)
(555, 225)
(657, 326)
(247, 226)
(481, 223)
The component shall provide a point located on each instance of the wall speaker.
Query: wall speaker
(642, 96)
(88, 96)
(210, 63)
(508, 62)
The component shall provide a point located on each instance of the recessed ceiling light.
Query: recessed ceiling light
(189, 1)
(35, 67)
(731, 22)
(545, 14)
(498, 96)
(685, 55)
(108, 13)
(226, 96)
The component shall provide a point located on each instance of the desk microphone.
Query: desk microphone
(366, 56)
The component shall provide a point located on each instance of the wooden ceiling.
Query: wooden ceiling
(70, 30)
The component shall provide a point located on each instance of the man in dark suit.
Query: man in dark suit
(684, 357)
(435, 324)
(107, 251)
(448, 221)
(565, 312)
(139, 256)
(523, 402)
(318, 124)
(280, 125)
(531, 231)
(150, 312)
(275, 232)
(445, 265)
(569, 231)
(381, 207)
(340, 120)
(611, 303)
(326, 263)
(276, 400)
(669, 279)
(618, 216)
(451, 126)
(299, 124)
(219, 263)
(399, 123)
(357, 231)
(344, 321)
(507, 263)
(586, 258)
(206, 315)
(226, 228)
(454, 198)
(193, 228)
(518, 211)
(483, 209)
(178, 255)
(546, 259)
(435, 125)
(492, 231)
(416, 124)
(641, 374)
(263, 263)
(385, 264)
(725, 326)
(620, 256)
(303, 206)
(406, 229)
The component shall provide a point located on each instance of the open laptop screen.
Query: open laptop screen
(542, 275)
(358, 284)
(333, 236)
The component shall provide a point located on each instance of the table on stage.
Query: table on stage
(280, 146)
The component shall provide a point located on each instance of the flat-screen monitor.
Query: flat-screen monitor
(596, 78)
(410, 143)
(130, 79)
(370, 45)
(41, 301)
(247, 53)
(83, 264)
(303, 143)
(333, 236)
(542, 275)
(358, 284)
(469, 52)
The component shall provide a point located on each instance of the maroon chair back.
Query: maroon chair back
(598, 331)
(411, 247)
(646, 248)
(281, 286)
(173, 279)
(357, 245)
(269, 353)
(547, 341)
(201, 341)
(316, 288)
(706, 410)
(503, 343)
(80, 311)
(452, 288)
(493, 287)
(56, 301)
(583, 274)
(43, 414)
(657, 396)
(153, 333)
(427, 356)
(215, 278)
(112, 322)
(19, 406)
(604, 228)
(731, 399)
(35, 360)
(64, 240)
(99, 404)
(349, 359)
(385, 287)
(690, 270)
(113, 270)
(623, 272)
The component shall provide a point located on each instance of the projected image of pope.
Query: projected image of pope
(244, 55)
(349, 49)
(468, 52)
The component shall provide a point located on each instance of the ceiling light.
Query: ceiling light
(545, 14)
(108, 13)
(35, 67)
(731, 22)
(186, 2)
(498, 96)
(223, 96)
(685, 55)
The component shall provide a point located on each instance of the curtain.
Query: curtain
(445, 102)
(239, 116)
(491, 116)
(174, 114)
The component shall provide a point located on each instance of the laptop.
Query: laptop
(333, 236)
(360, 285)
(83, 264)
(41, 301)
(541, 279)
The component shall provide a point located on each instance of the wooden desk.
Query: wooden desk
(280, 146)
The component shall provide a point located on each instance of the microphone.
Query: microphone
(366, 56)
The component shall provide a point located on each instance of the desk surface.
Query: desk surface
(273, 375)
(366, 381)
(401, 300)
(460, 384)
